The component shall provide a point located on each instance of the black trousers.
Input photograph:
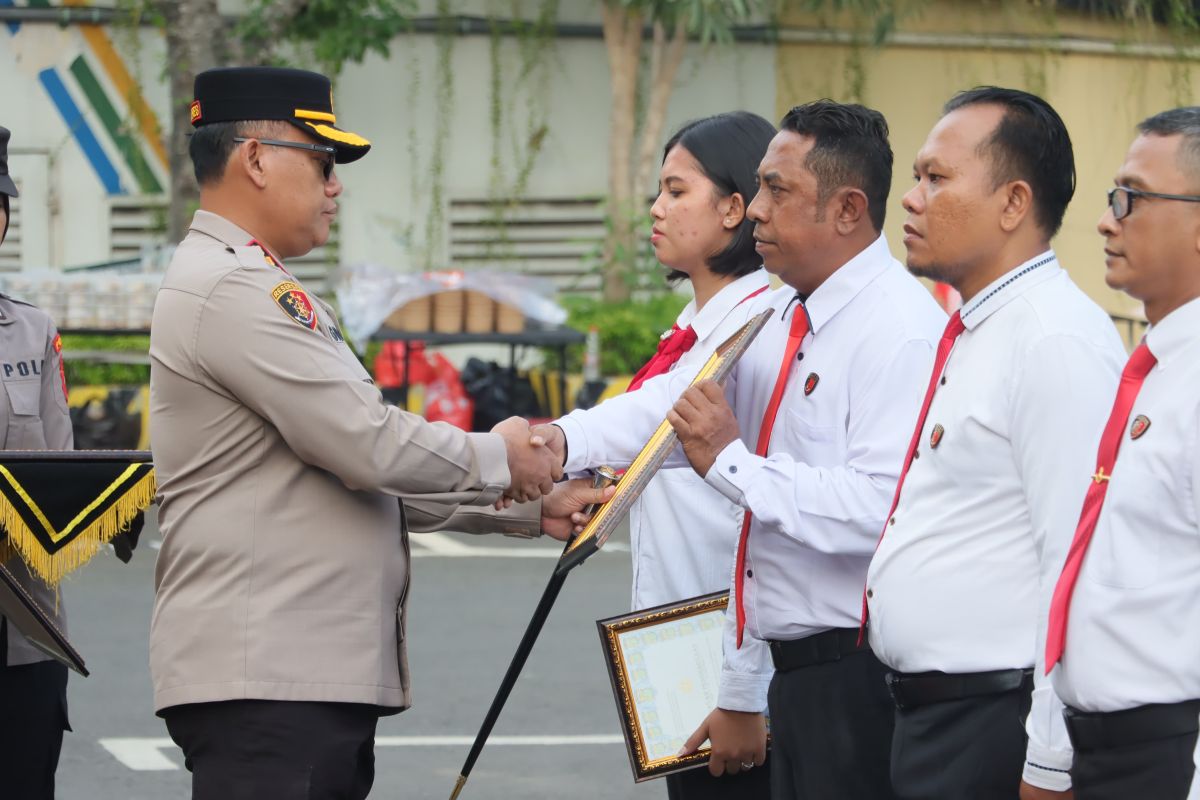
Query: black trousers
(969, 748)
(699, 784)
(33, 716)
(258, 749)
(1162, 769)
(831, 731)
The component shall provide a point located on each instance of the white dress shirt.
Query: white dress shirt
(820, 495)
(968, 562)
(1133, 631)
(684, 534)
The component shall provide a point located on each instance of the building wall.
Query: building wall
(70, 186)
(1101, 97)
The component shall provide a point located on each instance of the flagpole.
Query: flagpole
(510, 677)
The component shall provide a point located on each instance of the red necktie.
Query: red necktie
(670, 349)
(1140, 364)
(796, 335)
(954, 327)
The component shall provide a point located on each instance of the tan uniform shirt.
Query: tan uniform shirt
(284, 565)
(33, 416)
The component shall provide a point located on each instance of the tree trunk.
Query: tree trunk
(664, 62)
(623, 40)
(193, 29)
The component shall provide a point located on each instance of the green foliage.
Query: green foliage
(86, 372)
(337, 30)
(629, 331)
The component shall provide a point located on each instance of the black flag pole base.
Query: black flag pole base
(510, 677)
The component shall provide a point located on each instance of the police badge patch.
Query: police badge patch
(295, 303)
(935, 438)
(1141, 424)
(810, 383)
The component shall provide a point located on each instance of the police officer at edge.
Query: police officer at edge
(33, 416)
(278, 635)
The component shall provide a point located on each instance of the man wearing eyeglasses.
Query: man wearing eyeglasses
(278, 635)
(1124, 622)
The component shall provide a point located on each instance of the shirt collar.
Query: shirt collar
(1174, 332)
(847, 281)
(219, 228)
(1009, 286)
(719, 306)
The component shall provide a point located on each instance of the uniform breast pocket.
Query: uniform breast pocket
(807, 436)
(1126, 557)
(24, 423)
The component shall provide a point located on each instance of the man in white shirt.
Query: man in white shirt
(998, 462)
(1128, 601)
(852, 339)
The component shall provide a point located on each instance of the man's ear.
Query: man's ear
(1018, 204)
(849, 206)
(247, 160)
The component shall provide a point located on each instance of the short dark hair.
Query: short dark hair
(850, 148)
(1183, 122)
(728, 147)
(211, 145)
(1030, 144)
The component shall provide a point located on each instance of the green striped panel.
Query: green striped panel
(142, 172)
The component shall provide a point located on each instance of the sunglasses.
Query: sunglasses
(1120, 199)
(326, 163)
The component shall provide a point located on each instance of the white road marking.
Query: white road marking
(427, 545)
(145, 754)
(443, 545)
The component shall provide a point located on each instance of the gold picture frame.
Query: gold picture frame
(661, 443)
(665, 666)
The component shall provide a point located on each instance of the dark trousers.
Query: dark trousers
(258, 749)
(1142, 752)
(831, 730)
(33, 716)
(969, 748)
(699, 784)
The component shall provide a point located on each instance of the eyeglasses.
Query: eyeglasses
(1120, 199)
(326, 163)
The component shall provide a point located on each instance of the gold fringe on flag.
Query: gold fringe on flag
(85, 543)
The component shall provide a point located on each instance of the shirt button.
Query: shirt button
(749, 573)
(892, 521)
(916, 454)
(943, 380)
(870, 594)
(733, 467)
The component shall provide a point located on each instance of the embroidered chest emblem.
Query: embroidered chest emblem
(295, 303)
(1141, 424)
(810, 383)
(935, 438)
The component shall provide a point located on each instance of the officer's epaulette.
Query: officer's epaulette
(251, 257)
(12, 299)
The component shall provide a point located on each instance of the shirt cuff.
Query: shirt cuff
(741, 691)
(577, 448)
(1048, 769)
(492, 455)
(733, 470)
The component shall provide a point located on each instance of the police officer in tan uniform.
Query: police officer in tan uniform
(33, 416)
(278, 635)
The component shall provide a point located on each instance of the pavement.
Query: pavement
(471, 599)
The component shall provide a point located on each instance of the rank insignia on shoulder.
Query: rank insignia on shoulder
(810, 383)
(935, 438)
(1141, 424)
(295, 303)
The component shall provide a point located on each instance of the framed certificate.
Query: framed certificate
(23, 611)
(665, 667)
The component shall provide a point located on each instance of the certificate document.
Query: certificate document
(665, 667)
